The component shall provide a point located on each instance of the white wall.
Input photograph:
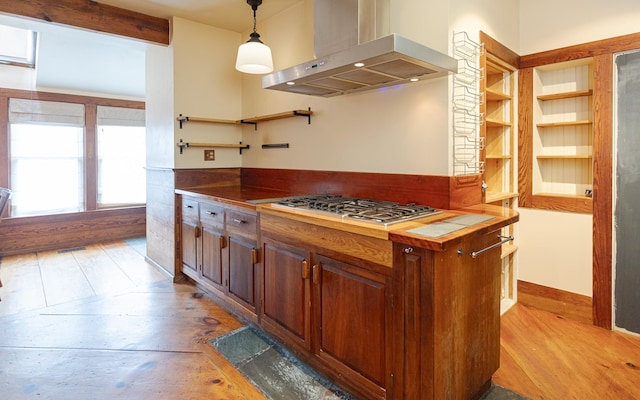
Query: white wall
(205, 85)
(159, 107)
(551, 24)
(555, 250)
(393, 130)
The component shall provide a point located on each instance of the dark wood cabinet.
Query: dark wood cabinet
(450, 318)
(243, 257)
(385, 315)
(334, 309)
(219, 250)
(352, 329)
(190, 235)
(286, 305)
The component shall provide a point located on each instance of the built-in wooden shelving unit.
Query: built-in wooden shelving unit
(562, 135)
(498, 158)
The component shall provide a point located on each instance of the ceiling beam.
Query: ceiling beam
(91, 15)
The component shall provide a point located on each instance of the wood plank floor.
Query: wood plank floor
(101, 323)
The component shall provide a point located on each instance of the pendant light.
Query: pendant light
(254, 57)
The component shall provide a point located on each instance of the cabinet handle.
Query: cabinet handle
(239, 221)
(408, 250)
(316, 274)
(305, 269)
(254, 255)
(197, 231)
(476, 253)
(188, 206)
(211, 213)
(223, 242)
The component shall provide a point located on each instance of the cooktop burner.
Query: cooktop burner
(367, 210)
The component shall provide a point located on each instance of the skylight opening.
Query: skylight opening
(17, 47)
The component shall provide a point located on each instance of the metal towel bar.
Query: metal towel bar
(475, 254)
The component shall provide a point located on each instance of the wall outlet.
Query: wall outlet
(209, 155)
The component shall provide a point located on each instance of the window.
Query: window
(121, 157)
(60, 163)
(46, 157)
(18, 46)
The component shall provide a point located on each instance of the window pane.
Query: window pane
(121, 160)
(46, 169)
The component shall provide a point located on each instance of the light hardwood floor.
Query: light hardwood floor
(101, 323)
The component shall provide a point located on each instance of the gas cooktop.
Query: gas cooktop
(366, 210)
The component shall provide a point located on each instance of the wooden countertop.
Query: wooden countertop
(402, 232)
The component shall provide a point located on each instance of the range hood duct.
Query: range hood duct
(347, 32)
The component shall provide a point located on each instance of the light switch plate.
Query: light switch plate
(209, 155)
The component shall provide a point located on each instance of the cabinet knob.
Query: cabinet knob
(408, 250)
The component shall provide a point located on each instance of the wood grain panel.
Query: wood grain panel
(352, 319)
(206, 178)
(4, 145)
(28, 234)
(466, 318)
(90, 156)
(378, 251)
(421, 189)
(602, 190)
(70, 98)
(94, 16)
(562, 203)
(559, 302)
(584, 50)
(499, 50)
(525, 137)
(161, 224)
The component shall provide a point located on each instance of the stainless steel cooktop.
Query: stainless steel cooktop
(365, 210)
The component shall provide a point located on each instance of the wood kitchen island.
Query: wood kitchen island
(385, 312)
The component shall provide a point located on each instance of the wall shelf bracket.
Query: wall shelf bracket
(185, 145)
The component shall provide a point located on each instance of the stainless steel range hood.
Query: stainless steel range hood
(385, 61)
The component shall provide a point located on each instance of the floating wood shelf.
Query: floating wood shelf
(492, 197)
(566, 95)
(252, 121)
(494, 95)
(496, 123)
(565, 157)
(564, 123)
(498, 157)
(182, 145)
(508, 249)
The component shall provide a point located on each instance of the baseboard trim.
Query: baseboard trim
(567, 304)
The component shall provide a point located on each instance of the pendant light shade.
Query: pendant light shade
(254, 57)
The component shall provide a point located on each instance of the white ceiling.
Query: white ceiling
(233, 15)
(77, 60)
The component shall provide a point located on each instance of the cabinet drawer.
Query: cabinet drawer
(212, 215)
(242, 223)
(189, 209)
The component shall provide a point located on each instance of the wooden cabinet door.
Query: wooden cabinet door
(190, 235)
(213, 246)
(286, 292)
(242, 270)
(352, 320)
